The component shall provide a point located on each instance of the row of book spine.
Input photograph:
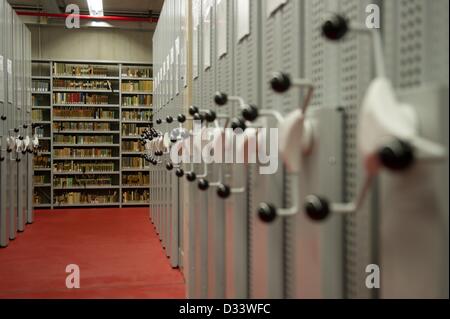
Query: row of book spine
(137, 72)
(40, 115)
(40, 86)
(82, 126)
(137, 86)
(73, 166)
(132, 129)
(134, 163)
(136, 115)
(67, 69)
(136, 179)
(94, 113)
(135, 196)
(132, 146)
(82, 85)
(137, 100)
(88, 152)
(84, 181)
(80, 98)
(86, 198)
(84, 139)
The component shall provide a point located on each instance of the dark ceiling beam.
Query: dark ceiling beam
(123, 13)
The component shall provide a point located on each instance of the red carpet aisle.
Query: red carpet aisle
(118, 251)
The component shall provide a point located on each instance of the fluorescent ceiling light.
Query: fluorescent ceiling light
(101, 24)
(95, 8)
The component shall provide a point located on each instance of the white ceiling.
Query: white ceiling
(135, 6)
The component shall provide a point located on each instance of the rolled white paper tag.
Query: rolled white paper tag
(166, 141)
(383, 118)
(290, 140)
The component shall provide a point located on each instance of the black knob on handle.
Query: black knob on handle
(397, 156)
(159, 121)
(2, 159)
(21, 138)
(220, 98)
(30, 151)
(18, 160)
(169, 166)
(203, 184)
(169, 119)
(25, 126)
(154, 162)
(267, 213)
(280, 82)
(9, 150)
(199, 117)
(3, 118)
(223, 191)
(24, 152)
(250, 113)
(335, 28)
(317, 208)
(193, 110)
(16, 130)
(181, 118)
(237, 124)
(191, 177)
(210, 116)
(179, 172)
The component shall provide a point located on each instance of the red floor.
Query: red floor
(117, 250)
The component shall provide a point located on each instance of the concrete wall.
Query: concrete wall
(52, 42)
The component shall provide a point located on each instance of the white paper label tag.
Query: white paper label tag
(10, 81)
(2, 80)
(273, 5)
(222, 28)
(9, 67)
(177, 65)
(207, 39)
(243, 19)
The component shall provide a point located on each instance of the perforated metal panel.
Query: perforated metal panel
(355, 74)
(294, 257)
(4, 220)
(415, 264)
(9, 111)
(281, 51)
(245, 58)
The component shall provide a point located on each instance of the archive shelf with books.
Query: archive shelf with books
(136, 112)
(89, 116)
(42, 121)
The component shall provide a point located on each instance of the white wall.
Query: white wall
(51, 42)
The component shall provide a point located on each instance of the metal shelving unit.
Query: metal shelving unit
(125, 76)
(42, 101)
(46, 73)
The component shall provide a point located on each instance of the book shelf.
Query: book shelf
(90, 116)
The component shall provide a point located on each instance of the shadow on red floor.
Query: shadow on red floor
(117, 250)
